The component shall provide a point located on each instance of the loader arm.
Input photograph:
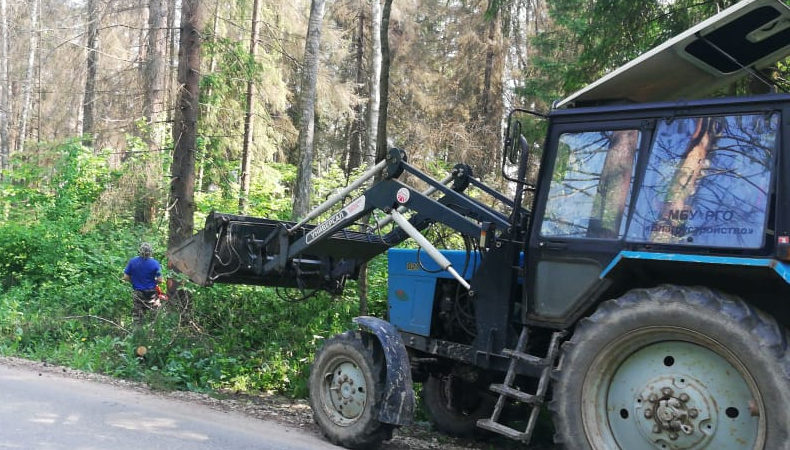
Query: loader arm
(248, 250)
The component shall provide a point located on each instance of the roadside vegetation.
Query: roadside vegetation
(62, 301)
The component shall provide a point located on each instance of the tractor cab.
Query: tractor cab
(645, 185)
(643, 165)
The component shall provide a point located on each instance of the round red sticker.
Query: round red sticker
(402, 196)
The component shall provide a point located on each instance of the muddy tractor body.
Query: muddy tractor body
(633, 280)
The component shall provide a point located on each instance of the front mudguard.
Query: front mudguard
(397, 404)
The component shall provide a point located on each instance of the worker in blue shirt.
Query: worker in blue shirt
(144, 272)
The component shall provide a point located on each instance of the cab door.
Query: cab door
(583, 202)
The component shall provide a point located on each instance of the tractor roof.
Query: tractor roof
(748, 36)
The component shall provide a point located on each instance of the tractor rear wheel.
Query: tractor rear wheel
(346, 387)
(454, 406)
(674, 368)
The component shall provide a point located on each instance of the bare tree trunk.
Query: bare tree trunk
(489, 111)
(152, 65)
(27, 86)
(381, 135)
(485, 97)
(155, 67)
(212, 62)
(307, 109)
(142, 44)
(381, 138)
(357, 127)
(5, 148)
(493, 48)
(92, 60)
(171, 51)
(182, 187)
(246, 152)
(212, 66)
(375, 81)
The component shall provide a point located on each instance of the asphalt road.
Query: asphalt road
(44, 411)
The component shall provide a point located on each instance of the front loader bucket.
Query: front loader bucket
(234, 249)
(193, 257)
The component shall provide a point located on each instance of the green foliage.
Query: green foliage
(224, 100)
(588, 39)
(17, 243)
(61, 299)
(268, 197)
(56, 182)
(70, 308)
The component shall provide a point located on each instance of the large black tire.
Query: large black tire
(454, 406)
(346, 387)
(674, 367)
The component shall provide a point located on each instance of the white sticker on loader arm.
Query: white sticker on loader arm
(324, 227)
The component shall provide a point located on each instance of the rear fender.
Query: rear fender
(762, 281)
(397, 404)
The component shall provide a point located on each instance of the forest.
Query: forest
(123, 121)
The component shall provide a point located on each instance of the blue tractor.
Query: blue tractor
(633, 278)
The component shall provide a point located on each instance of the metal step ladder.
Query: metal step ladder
(507, 390)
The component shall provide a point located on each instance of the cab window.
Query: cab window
(707, 182)
(591, 184)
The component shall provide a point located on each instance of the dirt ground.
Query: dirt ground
(295, 413)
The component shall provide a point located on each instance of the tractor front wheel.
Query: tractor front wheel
(674, 368)
(346, 387)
